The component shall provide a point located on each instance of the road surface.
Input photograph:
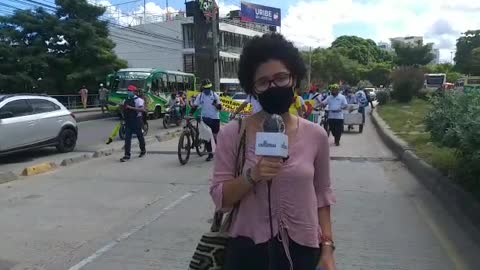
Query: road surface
(149, 214)
(92, 136)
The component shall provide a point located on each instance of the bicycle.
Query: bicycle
(189, 139)
(324, 121)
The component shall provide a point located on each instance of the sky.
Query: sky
(317, 23)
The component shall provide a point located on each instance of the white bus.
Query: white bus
(434, 81)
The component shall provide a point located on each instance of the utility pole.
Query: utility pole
(216, 64)
(144, 11)
(309, 78)
(166, 10)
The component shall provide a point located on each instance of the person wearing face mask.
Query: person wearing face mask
(133, 112)
(211, 105)
(336, 103)
(298, 106)
(291, 228)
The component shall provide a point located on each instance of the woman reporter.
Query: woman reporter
(291, 228)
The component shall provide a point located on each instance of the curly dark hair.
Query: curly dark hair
(267, 47)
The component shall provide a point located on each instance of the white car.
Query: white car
(31, 121)
(372, 92)
(240, 97)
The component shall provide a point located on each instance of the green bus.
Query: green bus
(157, 85)
(471, 83)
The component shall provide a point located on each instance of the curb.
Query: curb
(39, 168)
(71, 161)
(7, 177)
(459, 202)
(89, 117)
(50, 166)
(149, 139)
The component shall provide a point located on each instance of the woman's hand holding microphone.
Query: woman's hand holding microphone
(266, 169)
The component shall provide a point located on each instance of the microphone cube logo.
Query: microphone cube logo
(271, 144)
(267, 144)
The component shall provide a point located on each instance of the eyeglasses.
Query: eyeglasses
(280, 80)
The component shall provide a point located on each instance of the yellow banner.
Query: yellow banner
(231, 106)
(228, 104)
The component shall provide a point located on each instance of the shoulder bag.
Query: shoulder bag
(210, 251)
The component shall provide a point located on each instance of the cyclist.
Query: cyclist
(211, 105)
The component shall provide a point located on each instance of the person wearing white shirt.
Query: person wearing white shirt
(211, 105)
(336, 103)
(250, 100)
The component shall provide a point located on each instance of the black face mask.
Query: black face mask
(276, 100)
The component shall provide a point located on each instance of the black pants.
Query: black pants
(214, 124)
(243, 254)
(134, 127)
(336, 127)
(103, 105)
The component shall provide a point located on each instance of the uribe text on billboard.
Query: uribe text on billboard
(260, 14)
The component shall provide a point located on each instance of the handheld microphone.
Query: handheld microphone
(272, 142)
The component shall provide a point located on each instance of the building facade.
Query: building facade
(154, 45)
(233, 35)
(384, 46)
(171, 45)
(411, 40)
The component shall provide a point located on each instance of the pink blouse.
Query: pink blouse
(297, 192)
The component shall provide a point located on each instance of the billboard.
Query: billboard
(260, 14)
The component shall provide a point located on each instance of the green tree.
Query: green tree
(87, 45)
(407, 81)
(413, 55)
(331, 66)
(464, 57)
(379, 74)
(22, 40)
(55, 52)
(364, 51)
(475, 62)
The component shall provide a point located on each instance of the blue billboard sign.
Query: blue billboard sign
(260, 14)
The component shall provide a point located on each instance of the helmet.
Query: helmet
(206, 83)
(132, 88)
(101, 85)
(334, 87)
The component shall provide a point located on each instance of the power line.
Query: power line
(41, 4)
(150, 34)
(124, 3)
(7, 5)
(155, 35)
(137, 37)
(138, 15)
(143, 44)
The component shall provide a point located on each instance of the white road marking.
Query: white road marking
(127, 234)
